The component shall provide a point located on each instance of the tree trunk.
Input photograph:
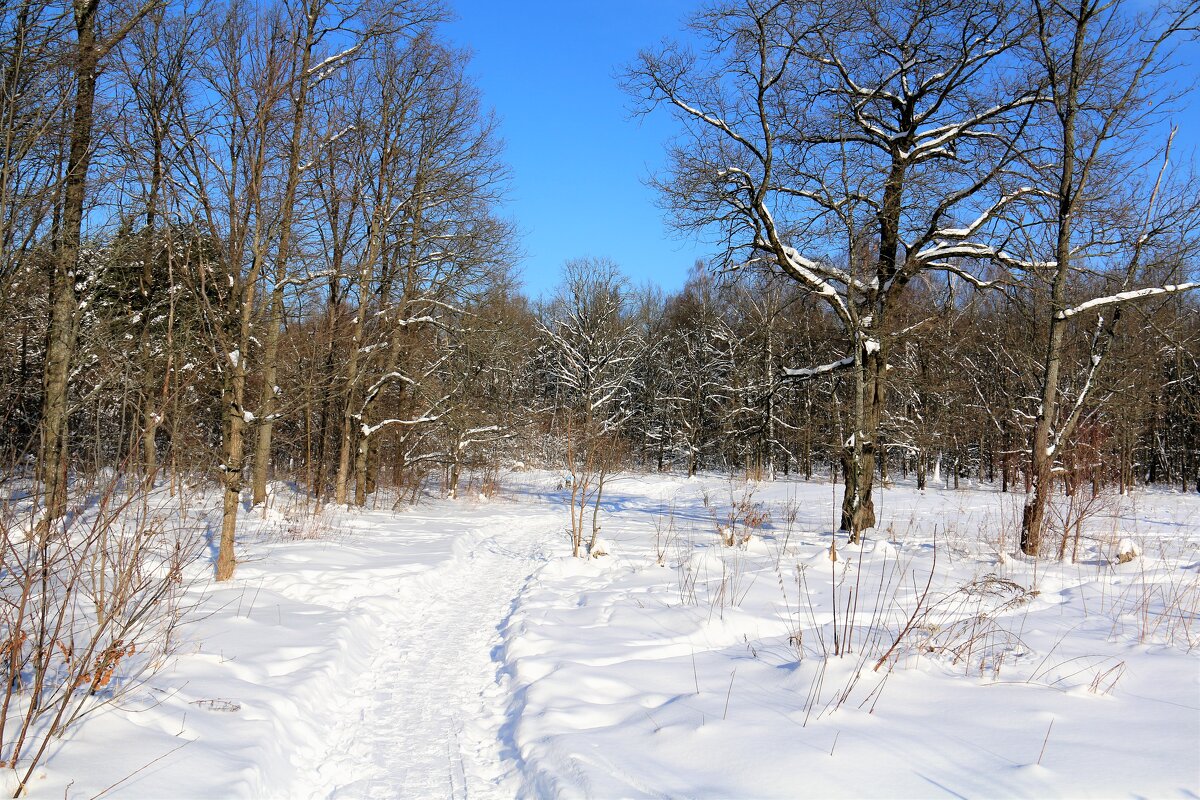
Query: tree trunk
(596, 512)
(60, 337)
(768, 376)
(883, 462)
(152, 386)
(269, 402)
(452, 480)
(234, 452)
(360, 470)
(1042, 461)
(858, 459)
(268, 407)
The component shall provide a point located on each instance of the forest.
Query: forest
(252, 245)
(248, 243)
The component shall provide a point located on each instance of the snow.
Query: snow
(455, 649)
(1125, 297)
(808, 373)
(1127, 550)
(636, 683)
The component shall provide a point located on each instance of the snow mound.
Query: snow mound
(1127, 550)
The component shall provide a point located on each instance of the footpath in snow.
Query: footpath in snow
(355, 655)
(430, 707)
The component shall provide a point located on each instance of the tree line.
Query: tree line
(265, 241)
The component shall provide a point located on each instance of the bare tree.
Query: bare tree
(850, 147)
(591, 349)
(98, 28)
(155, 64)
(1104, 67)
(33, 108)
(324, 38)
(449, 250)
(229, 164)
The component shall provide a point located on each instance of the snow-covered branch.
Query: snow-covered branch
(1125, 297)
(808, 373)
(327, 66)
(370, 430)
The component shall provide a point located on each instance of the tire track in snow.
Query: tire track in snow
(427, 714)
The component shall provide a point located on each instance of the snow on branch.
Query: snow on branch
(370, 430)
(474, 436)
(327, 142)
(424, 318)
(329, 65)
(977, 282)
(987, 214)
(379, 384)
(809, 273)
(808, 373)
(303, 280)
(1125, 297)
(708, 119)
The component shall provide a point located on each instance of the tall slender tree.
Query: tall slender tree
(98, 28)
(1104, 66)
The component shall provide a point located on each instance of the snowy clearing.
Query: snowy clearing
(454, 650)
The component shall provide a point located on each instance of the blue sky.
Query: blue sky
(548, 68)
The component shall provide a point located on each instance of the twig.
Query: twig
(728, 693)
(108, 789)
(1047, 739)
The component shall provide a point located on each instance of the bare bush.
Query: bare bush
(88, 607)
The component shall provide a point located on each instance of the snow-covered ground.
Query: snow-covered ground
(455, 650)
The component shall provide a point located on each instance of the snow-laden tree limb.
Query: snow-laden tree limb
(327, 142)
(429, 416)
(808, 373)
(1125, 297)
(384, 380)
(987, 214)
(304, 280)
(954, 269)
(716, 122)
(326, 67)
(473, 436)
(808, 273)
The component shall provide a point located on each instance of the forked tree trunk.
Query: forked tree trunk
(352, 420)
(348, 432)
(1042, 454)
